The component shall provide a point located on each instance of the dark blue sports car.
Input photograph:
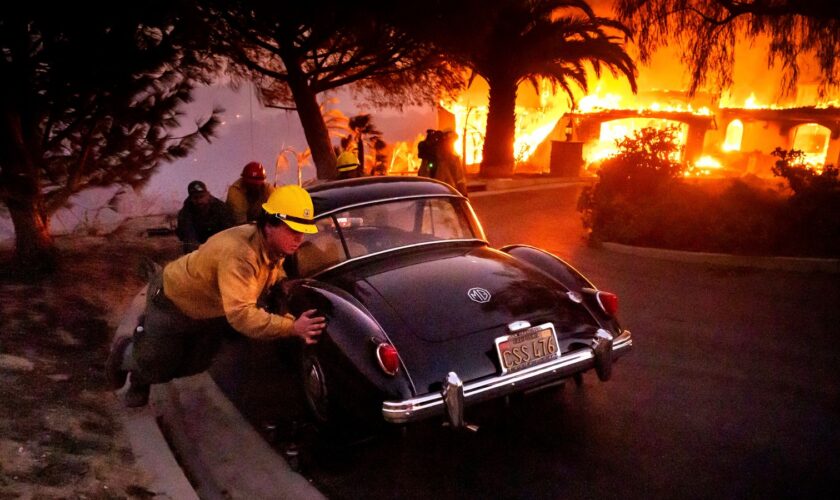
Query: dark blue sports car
(425, 318)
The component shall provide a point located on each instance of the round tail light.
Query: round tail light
(608, 302)
(389, 359)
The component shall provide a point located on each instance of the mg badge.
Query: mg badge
(479, 295)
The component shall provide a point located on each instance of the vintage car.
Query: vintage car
(425, 318)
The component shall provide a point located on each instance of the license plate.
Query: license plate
(528, 347)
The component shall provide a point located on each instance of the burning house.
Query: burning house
(720, 134)
(717, 136)
(733, 133)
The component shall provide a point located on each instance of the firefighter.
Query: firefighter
(427, 152)
(246, 196)
(449, 168)
(201, 216)
(347, 166)
(195, 299)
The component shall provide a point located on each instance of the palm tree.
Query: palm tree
(517, 41)
(379, 167)
(363, 130)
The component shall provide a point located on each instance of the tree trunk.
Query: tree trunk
(497, 154)
(34, 246)
(312, 121)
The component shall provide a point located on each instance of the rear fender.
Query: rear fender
(567, 275)
(550, 264)
(351, 335)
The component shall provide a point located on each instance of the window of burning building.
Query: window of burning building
(734, 136)
(812, 139)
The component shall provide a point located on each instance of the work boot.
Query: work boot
(137, 395)
(114, 372)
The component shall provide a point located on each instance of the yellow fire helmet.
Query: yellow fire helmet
(346, 161)
(293, 205)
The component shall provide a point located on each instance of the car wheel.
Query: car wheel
(316, 391)
(322, 388)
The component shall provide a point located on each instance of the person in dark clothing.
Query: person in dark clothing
(449, 168)
(202, 216)
(427, 152)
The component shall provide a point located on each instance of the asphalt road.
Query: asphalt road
(731, 391)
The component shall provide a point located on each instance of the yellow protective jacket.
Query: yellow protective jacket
(243, 210)
(225, 277)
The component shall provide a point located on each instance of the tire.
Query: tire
(316, 388)
(330, 399)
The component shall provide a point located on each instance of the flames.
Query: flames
(596, 102)
(534, 123)
(543, 120)
(705, 165)
(734, 136)
(613, 131)
(751, 102)
(555, 118)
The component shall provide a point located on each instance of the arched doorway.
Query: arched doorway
(812, 139)
(734, 136)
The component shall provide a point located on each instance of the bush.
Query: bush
(642, 199)
(814, 208)
(643, 169)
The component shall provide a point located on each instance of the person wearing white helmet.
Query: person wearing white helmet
(200, 296)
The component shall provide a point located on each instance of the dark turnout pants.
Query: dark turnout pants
(172, 344)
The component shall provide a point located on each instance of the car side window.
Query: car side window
(320, 250)
(368, 229)
(442, 221)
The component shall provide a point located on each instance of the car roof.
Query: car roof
(333, 195)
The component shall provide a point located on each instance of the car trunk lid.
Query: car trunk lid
(445, 310)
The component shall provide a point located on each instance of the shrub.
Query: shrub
(814, 206)
(748, 220)
(643, 168)
(642, 199)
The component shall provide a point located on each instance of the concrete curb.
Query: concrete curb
(499, 186)
(796, 264)
(151, 450)
(154, 456)
(222, 453)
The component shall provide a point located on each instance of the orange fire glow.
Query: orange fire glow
(533, 124)
(740, 145)
(705, 165)
(594, 103)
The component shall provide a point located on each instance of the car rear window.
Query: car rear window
(368, 229)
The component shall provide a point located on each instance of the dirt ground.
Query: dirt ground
(60, 431)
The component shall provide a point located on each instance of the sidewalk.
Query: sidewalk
(483, 187)
(796, 264)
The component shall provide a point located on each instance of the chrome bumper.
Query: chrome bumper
(410, 410)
